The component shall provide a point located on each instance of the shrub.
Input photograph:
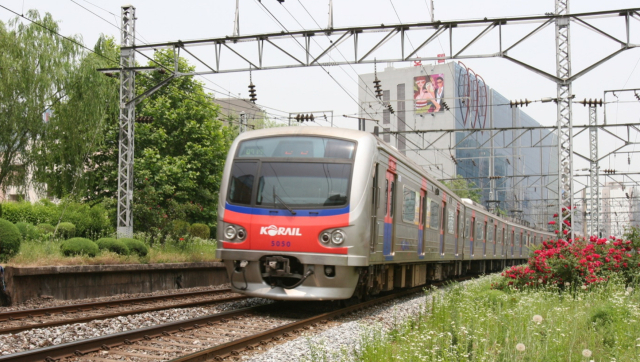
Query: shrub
(9, 239)
(46, 228)
(0, 210)
(66, 230)
(114, 245)
(79, 246)
(179, 228)
(22, 226)
(135, 246)
(201, 231)
(28, 231)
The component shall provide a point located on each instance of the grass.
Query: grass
(471, 322)
(47, 253)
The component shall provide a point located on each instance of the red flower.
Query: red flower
(181, 239)
(552, 222)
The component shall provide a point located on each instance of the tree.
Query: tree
(78, 124)
(464, 188)
(34, 66)
(178, 158)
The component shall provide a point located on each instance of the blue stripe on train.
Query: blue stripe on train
(284, 212)
(420, 244)
(386, 243)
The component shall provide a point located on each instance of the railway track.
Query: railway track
(214, 337)
(21, 320)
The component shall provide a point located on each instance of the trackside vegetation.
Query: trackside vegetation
(472, 322)
(575, 300)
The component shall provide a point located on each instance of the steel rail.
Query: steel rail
(82, 347)
(89, 306)
(119, 314)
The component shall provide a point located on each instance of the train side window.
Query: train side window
(410, 206)
(467, 227)
(393, 197)
(451, 222)
(434, 208)
(489, 234)
(478, 233)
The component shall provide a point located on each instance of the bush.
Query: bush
(89, 220)
(0, 210)
(66, 230)
(135, 246)
(79, 246)
(46, 228)
(9, 239)
(114, 245)
(179, 228)
(201, 231)
(28, 231)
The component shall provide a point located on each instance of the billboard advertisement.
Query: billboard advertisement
(428, 93)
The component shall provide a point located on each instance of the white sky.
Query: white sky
(310, 89)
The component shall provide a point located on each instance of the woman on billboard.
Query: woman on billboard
(424, 94)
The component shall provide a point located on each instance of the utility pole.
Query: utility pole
(126, 122)
(330, 25)
(565, 122)
(236, 21)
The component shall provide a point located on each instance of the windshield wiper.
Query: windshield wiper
(276, 197)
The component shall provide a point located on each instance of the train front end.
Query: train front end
(288, 224)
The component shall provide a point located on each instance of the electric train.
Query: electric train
(314, 213)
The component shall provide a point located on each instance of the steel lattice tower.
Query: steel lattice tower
(126, 122)
(565, 123)
(594, 200)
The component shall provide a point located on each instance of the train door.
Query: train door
(486, 233)
(512, 238)
(390, 186)
(443, 225)
(495, 237)
(503, 238)
(472, 239)
(421, 227)
(375, 203)
(460, 232)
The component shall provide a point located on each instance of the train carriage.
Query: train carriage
(311, 213)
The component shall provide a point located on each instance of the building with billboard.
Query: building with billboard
(516, 170)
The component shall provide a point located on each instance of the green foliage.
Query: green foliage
(470, 322)
(180, 228)
(135, 246)
(66, 230)
(114, 245)
(463, 188)
(90, 221)
(179, 158)
(79, 246)
(35, 64)
(201, 231)
(89, 107)
(0, 211)
(10, 238)
(46, 228)
(28, 231)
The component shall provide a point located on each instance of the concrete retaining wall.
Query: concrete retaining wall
(90, 281)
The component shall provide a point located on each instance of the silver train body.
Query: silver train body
(311, 213)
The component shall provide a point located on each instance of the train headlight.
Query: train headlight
(337, 237)
(242, 234)
(325, 237)
(230, 232)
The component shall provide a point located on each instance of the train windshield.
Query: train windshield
(299, 184)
